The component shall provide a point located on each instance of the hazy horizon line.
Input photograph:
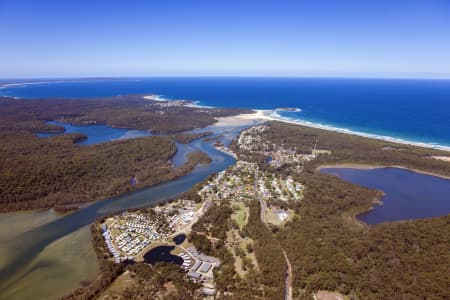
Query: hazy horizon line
(400, 77)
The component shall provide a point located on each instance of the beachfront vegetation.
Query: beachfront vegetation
(329, 250)
(326, 246)
(344, 148)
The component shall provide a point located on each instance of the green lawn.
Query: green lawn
(239, 214)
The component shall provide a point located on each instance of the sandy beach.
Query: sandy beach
(257, 117)
(155, 98)
(261, 115)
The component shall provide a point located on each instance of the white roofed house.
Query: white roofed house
(205, 267)
(194, 275)
(208, 291)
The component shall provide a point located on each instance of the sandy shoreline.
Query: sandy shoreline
(372, 167)
(262, 115)
(255, 118)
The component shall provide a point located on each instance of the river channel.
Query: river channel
(31, 258)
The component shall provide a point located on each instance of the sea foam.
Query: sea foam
(275, 114)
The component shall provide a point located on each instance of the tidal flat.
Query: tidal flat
(15, 223)
(60, 268)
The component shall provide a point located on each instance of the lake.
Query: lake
(409, 195)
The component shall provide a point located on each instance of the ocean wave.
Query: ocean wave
(188, 103)
(156, 97)
(276, 116)
(196, 104)
(289, 109)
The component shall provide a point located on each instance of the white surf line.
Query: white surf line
(273, 115)
(278, 117)
(188, 103)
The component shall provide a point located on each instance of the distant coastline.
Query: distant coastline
(5, 85)
(274, 114)
(261, 115)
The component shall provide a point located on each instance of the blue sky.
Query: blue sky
(383, 38)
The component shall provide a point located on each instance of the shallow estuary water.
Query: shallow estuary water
(55, 255)
(96, 133)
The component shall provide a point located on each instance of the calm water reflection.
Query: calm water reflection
(96, 133)
(162, 254)
(409, 195)
(20, 251)
(179, 239)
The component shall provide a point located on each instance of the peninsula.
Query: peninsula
(283, 230)
(268, 224)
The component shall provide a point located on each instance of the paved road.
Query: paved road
(288, 279)
(262, 202)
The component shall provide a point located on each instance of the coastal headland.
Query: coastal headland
(255, 211)
(273, 201)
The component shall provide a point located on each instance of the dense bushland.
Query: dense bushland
(330, 250)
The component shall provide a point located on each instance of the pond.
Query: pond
(409, 195)
(179, 239)
(162, 254)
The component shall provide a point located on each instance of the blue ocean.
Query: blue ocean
(409, 110)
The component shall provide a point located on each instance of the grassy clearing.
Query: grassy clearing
(251, 255)
(240, 213)
(178, 249)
